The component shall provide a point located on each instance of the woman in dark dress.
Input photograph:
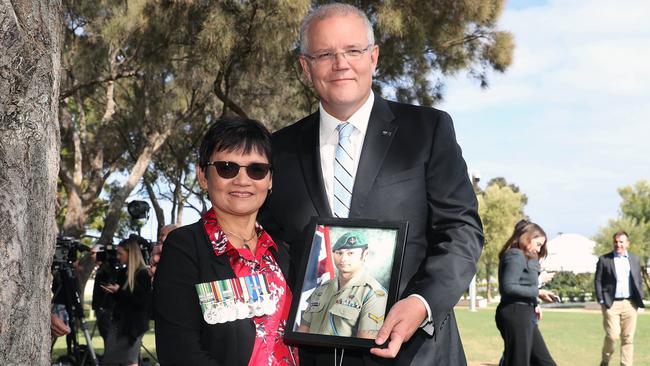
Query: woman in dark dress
(518, 312)
(220, 290)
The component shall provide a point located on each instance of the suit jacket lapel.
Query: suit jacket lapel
(379, 135)
(610, 263)
(309, 155)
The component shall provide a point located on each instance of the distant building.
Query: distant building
(570, 252)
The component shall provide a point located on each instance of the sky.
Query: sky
(569, 121)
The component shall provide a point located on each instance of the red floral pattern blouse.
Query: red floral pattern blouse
(269, 348)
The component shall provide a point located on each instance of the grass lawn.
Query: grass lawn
(148, 341)
(574, 337)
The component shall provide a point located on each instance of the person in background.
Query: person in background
(102, 302)
(619, 290)
(157, 249)
(518, 312)
(132, 296)
(220, 291)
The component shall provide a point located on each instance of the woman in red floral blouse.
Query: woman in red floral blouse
(220, 290)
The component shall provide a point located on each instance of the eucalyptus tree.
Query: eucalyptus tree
(422, 43)
(143, 77)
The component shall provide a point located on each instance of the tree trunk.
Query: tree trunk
(160, 214)
(179, 199)
(30, 40)
(112, 218)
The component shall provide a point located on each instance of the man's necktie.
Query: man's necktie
(343, 167)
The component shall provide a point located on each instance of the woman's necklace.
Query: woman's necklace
(244, 240)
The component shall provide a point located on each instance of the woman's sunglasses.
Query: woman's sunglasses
(229, 170)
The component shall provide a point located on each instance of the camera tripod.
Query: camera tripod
(69, 287)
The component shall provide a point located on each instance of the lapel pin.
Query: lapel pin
(386, 133)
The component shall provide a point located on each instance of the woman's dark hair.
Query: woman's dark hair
(235, 134)
(524, 232)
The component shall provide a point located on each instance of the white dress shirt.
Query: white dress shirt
(622, 266)
(329, 140)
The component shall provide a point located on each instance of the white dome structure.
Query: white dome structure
(570, 252)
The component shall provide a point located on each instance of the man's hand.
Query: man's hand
(403, 319)
(538, 313)
(58, 327)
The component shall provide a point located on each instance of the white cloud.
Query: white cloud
(569, 122)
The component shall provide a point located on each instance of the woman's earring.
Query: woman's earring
(270, 191)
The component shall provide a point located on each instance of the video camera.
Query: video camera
(108, 256)
(145, 245)
(66, 252)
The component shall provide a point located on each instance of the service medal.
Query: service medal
(211, 316)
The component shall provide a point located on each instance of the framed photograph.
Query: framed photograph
(348, 280)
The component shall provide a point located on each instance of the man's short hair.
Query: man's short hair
(327, 11)
(619, 233)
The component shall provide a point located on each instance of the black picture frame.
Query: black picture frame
(382, 261)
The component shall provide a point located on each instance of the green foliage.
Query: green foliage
(140, 68)
(422, 43)
(572, 287)
(634, 218)
(636, 201)
(638, 233)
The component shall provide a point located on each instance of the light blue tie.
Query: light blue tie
(343, 167)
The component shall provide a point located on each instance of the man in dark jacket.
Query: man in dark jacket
(619, 291)
(361, 156)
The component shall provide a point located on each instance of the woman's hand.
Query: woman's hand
(538, 313)
(547, 296)
(110, 288)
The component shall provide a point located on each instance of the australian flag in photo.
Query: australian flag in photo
(321, 267)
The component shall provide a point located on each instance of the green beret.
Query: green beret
(351, 240)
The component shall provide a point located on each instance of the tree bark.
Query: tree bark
(160, 214)
(30, 39)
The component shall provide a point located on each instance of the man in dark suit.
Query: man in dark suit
(619, 291)
(395, 162)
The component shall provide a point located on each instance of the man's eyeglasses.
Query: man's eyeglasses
(329, 57)
(229, 169)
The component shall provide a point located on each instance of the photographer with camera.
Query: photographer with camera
(103, 302)
(67, 316)
(132, 296)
